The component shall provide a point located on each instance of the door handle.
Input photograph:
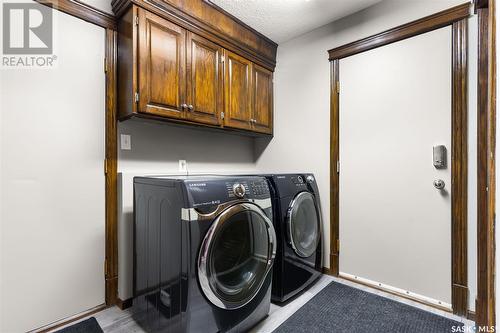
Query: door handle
(439, 184)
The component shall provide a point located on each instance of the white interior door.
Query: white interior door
(395, 105)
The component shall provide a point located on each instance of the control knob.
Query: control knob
(239, 190)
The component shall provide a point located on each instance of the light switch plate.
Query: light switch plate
(125, 142)
(182, 166)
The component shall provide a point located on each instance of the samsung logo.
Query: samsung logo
(198, 184)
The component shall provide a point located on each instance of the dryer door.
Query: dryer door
(236, 255)
(303, 224)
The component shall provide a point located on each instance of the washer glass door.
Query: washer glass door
(236, 255)
(303, 224)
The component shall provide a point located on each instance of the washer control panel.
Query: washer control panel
(247, 189)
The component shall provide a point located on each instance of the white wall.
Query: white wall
(156, 149)
(302, 83)
(52, 182)
(104, 5)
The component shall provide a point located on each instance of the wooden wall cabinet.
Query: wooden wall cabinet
(170, 70)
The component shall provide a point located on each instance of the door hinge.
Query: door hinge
(338, 166)
(337, 87)
(105, 166)
(105, 267)
(136, 97)
(105, 65)
(222, 115)
(137, 20)
(337, 246)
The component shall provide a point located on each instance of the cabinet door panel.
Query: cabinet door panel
(237, 86)
(161, 66)
(262, 100)
(204, 84)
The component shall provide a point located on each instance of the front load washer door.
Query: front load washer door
(236, 255)
(303, 224)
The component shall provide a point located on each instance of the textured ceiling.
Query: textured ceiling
(282, 20)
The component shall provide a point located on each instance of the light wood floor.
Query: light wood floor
(114, 320)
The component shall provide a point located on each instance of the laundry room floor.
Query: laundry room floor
(114, 320)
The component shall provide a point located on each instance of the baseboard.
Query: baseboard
(443, 307)
(471, 315)
(328, 271)
(68, 320)
(124, 304)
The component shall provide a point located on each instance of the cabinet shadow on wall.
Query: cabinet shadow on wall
(160, 145)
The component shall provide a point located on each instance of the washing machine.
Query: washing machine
(297, 220)
(204, 251)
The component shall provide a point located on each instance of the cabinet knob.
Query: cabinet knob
(183, 106)
(190, 107)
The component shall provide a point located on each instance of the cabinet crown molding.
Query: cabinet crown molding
(208, 20)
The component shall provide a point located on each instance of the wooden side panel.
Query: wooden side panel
(262, 93)
(237, 86)
(204, 85)
(161, 66)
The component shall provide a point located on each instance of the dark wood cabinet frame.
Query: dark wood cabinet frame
(457, 17)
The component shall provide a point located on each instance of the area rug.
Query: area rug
(87, 326)
(340, 308)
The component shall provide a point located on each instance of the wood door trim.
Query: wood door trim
(82, 11)
(459, 149)
(417, 27)
(486, 136)
(111, 170)
(334, 174)
(457, 18)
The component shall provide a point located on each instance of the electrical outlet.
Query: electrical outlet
(183, 166)
(125, 142)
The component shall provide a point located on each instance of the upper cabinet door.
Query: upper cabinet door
(262, 93)
(162, 83)
(237, 87)
(204, 80)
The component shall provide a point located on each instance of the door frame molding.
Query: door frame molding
(456, 17)
(486, 137)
